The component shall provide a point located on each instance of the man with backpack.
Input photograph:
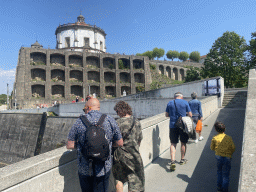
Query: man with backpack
(92, 135)
(177, 108)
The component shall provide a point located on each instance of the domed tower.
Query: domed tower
(80, 36)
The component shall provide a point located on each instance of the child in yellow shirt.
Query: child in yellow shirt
(224, 147)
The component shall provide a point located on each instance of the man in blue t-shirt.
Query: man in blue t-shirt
(174, 112)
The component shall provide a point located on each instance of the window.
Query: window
(101, 46)
(86, 42)
(67, 41)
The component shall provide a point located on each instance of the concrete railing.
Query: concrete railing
(144, 104)
(247, 180)
(57, 170)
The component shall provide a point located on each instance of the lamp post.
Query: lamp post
(7, 96)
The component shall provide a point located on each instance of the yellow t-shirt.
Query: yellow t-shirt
(223, 145)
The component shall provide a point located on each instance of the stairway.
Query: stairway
(234, 99)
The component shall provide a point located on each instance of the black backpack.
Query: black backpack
(96, 145)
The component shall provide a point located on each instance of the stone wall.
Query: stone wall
(18, 136)
(47, 69)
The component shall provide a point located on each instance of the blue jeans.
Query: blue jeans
(223, 170)
(94, 184)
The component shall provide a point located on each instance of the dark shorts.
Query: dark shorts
(195, 119)
(92, 184)
(175, 134)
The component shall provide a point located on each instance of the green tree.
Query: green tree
(227, 59)
(158, 52)
(183, 56)
(149, 54)
(172, 54)
(195, 56)
(192, 74)
(139, 54)
(252, 50)
(3, 99)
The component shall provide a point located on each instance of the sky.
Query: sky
(133, 26)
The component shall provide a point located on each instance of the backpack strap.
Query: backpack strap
(85, 121)
(128, 133)
(101, 120)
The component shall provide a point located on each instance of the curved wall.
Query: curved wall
(79, 35)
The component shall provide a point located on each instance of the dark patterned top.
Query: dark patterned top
(77, 133)
(127, 159)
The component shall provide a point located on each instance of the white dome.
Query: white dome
(80, 36)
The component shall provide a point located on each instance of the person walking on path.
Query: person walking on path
(177, 108)
(128, 165)
(224, 147)
(196, 109)
(99, 180)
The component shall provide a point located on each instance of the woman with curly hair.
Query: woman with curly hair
(128, 165)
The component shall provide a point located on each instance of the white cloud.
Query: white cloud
(6, 76)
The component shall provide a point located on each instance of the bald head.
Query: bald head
(93, 104)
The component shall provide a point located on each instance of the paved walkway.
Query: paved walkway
(200, 173)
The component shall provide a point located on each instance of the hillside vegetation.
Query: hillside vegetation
(160, 80)
(3, 99)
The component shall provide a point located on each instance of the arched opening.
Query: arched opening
(92, 62)
(76, 90)
(37, 75)
(175, 74)
(110, 91)
(161, 69)
(123, 63)
(139, 78)
(93, 76)
(75, 61)
(125, 78)
(182, 74)
(57, 91)
(38, 91)
(140, 89)
(37, 58)
(96, 90)
(57, 60)
(126, 89)
(109, 77)
(76, 76)
(57, 75)
(109, 63)
(138, 64)
(168, 72)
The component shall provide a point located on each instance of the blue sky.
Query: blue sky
(133, 26)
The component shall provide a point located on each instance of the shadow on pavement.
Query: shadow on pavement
(204, 177)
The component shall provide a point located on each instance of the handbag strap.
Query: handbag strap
(128, 133)
(176, 109)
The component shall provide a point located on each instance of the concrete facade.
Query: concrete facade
(18, 136)
(248, 169)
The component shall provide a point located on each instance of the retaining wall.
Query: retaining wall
(144, 104)
(247, 180)
(18, 136)
(57, 170)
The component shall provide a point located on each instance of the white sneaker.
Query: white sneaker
(200, 138)
(196, 141)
